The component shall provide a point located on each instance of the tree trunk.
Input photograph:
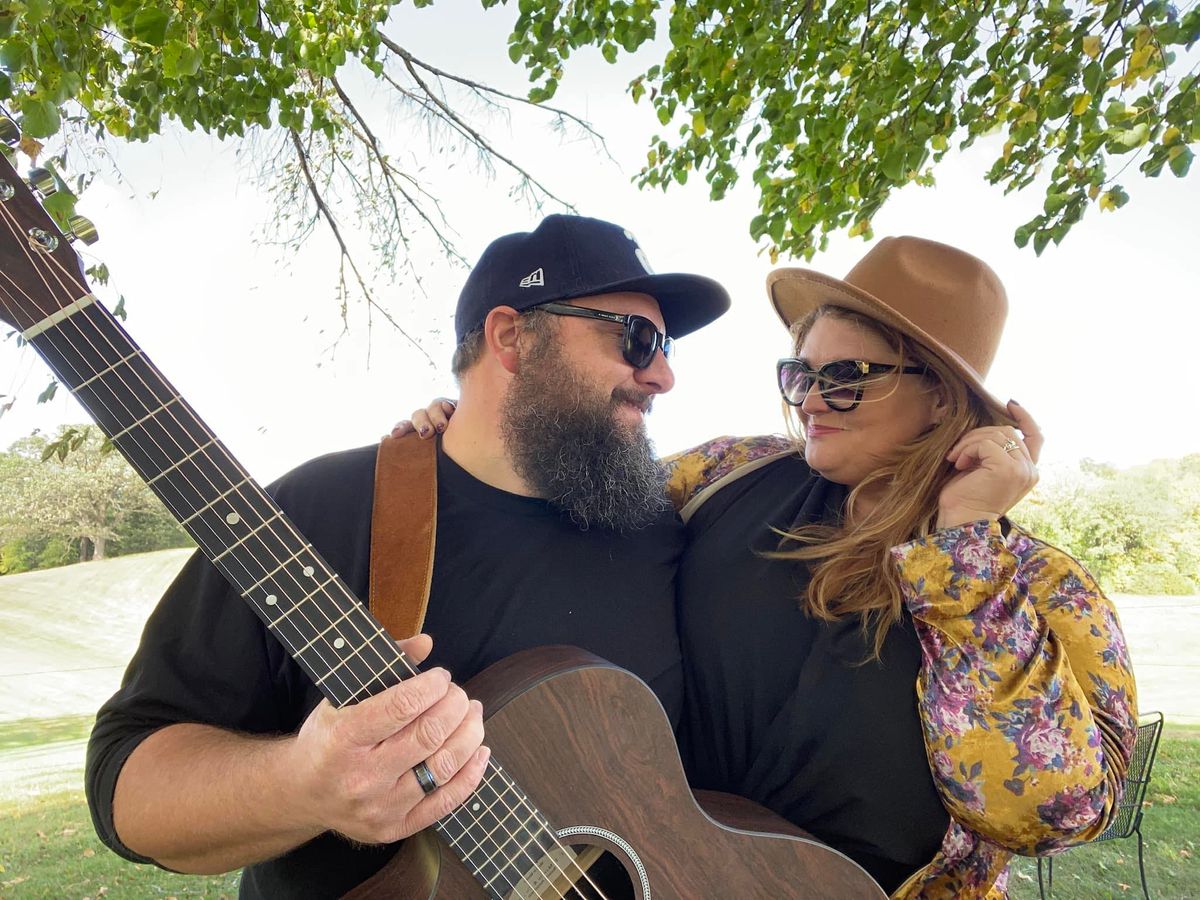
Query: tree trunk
(85, 549)
(98, 545)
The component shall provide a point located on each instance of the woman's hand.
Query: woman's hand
(996, 468)
(428, 421)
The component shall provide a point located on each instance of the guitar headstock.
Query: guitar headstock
(39, 271)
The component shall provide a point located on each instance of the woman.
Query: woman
(871, 648)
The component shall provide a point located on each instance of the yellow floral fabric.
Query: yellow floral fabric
(1025, 693)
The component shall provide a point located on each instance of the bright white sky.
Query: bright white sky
(1099, 345)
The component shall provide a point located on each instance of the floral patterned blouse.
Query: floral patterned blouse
(1025, 692)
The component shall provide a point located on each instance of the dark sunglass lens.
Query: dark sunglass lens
(641, 340)
(794, 382)
(842, 384)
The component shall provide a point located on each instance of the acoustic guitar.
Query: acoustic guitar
(591, 801)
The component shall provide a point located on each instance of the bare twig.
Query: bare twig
(347, 257)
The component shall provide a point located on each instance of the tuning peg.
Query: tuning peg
(82, 229)
(42, 181)
(10, 132)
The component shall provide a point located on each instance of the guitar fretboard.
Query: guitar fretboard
(498, 833)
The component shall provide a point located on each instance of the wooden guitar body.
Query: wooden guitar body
(595, 750)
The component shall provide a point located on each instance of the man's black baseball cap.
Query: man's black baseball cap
(567, 257)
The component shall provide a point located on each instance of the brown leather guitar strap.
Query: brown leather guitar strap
(403, 526)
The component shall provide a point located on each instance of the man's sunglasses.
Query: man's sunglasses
(640, 340)
(840, 383)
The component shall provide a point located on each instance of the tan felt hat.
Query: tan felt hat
(947, 300)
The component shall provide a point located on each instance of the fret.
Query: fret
(175, 466)
(208, 506)
(511, 862)
(346, 660)
(489, 822)
(279, 568)
(105, 371)
(142, 421)
(513, 836)
(300, 604)
(230, 520)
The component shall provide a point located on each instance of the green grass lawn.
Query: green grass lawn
(1171, 827)
(48, 848)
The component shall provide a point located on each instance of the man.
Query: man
(218, 752)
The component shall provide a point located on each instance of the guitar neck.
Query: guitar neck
(498, 833)
(241, 529)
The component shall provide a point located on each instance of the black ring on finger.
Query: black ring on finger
(425, 778)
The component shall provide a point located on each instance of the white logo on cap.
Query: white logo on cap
(638, 252)
(533, 279)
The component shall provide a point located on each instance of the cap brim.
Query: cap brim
(796, 292)
(688, 302)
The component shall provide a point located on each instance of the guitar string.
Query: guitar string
(498, 772)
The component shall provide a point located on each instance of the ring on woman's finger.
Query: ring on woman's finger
(425, 778)
(1010, 445)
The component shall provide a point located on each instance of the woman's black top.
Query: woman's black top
(781, 707)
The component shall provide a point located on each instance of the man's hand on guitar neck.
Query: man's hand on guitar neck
(201, 799)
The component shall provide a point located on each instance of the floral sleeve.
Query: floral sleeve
(1025, 692)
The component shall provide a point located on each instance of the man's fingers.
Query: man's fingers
(422, 738)
(458, 749)
(417, 648)
(379, 717)
(449, 796)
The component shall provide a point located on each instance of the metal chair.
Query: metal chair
(1128, 820)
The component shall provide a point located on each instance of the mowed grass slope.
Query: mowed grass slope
(67, 633)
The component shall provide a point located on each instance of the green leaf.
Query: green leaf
(1181, 161)
(150, 25)
(39, 118)
(14, 53)
(48, 394)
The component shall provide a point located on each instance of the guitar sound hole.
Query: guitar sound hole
(607, 878)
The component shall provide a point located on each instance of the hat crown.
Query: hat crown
(952, 296)
(569, 257)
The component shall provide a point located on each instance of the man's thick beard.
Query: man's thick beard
(567, 444)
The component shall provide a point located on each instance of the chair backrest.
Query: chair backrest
(1129, 812)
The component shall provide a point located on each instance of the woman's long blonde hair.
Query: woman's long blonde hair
(852, 571)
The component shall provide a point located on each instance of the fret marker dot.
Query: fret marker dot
(272, 599)
(475, 807)
(233, 518)
(308, 570)
(339, 643)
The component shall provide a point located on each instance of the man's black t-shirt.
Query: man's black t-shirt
(510, 573)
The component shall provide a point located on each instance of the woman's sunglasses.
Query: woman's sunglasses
(640, 340)
(840, 383)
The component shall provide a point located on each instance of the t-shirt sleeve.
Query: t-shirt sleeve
(205, 657)
(201, 627)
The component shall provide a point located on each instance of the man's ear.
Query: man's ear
(502, 332)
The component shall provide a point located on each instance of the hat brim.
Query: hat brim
(688, 302)
(797, 292)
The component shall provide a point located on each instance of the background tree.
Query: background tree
(66, 500)
(279, 74)
(832, 106)
(1137, 530)
(838, 103)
